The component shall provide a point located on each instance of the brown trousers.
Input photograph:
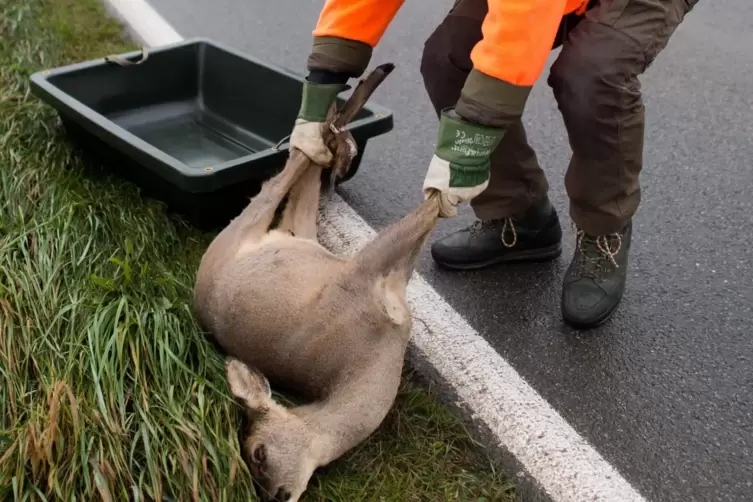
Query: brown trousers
(595, 83)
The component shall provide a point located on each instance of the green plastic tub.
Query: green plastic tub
(197, 124)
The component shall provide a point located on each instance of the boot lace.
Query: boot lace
(595, 253)
(508, 226)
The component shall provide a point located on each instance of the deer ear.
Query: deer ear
(249, 386)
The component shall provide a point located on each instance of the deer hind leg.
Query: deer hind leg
(395, 250)
(299, 216)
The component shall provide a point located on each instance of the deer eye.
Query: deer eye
(259, 455)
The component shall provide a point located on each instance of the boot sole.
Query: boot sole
(531, 255)
(582, 325)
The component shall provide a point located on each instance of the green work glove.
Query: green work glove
(308, 129)
(459, 169)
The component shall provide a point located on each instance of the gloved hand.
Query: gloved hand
(309, 126)
(459, 169)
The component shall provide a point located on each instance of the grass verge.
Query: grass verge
(108, 390)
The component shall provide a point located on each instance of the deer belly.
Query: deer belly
(265, 299)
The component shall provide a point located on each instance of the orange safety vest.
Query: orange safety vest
(517, 34)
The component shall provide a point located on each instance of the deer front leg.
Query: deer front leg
(299, 216)
(255, 220)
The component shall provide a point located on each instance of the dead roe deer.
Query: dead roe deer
(284, 308)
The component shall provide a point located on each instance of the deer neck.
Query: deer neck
(352, 411)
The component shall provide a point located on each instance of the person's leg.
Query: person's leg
(595, 82)
(517, 222)
(516, 180)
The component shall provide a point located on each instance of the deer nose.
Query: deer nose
(264, 496)
(263, 493)
(283, 495)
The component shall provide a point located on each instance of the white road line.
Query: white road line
(561, 462)
(523, 423)
(146, 23)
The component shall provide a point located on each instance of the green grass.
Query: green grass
(108, 390)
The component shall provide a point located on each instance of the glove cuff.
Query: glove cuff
(463, 143)
(316, 100)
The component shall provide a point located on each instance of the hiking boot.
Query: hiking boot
(532, 235)
(595, 280)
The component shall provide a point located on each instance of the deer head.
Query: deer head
(278, 447)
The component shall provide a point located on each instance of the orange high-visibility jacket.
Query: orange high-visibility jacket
(517, 34)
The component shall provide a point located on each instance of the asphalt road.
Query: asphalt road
(664, 391)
